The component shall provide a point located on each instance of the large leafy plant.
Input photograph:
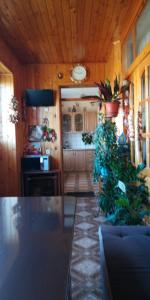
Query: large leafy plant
(122, 207)
(107, 93)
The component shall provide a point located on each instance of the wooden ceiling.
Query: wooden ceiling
(63, 31)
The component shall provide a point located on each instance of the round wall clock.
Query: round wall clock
(78, 73)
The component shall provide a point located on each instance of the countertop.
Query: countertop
(73, 149)
(35, 247)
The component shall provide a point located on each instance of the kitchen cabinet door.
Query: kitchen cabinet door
(78, 122)
(67, 122)
(89, 157)
(68, 160)
(80, 160)
(90, 121)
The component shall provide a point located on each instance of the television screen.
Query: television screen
(39, 97)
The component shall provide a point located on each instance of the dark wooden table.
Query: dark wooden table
(35, 247)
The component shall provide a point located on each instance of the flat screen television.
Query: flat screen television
(34, 97)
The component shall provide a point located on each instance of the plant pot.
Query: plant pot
(112, 109)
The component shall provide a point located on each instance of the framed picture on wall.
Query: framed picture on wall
(35, 133)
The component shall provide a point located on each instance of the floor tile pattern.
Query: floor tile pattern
(85, 265)
(79, 182)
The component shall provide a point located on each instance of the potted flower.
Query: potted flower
(110, 97)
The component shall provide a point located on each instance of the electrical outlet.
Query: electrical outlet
(47, 151)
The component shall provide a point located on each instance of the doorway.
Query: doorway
(79, 116)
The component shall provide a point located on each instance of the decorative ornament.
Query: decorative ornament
(139, 114)
(14, 115)
(45, 122)
(49, 134)
(131, 126)
(60, 75)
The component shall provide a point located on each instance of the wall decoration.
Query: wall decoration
(35, 133)
(39, 133)
(14, 115)
(60, 75)
(49, 134)
(131, 126)
(33, 148)
(45, 121)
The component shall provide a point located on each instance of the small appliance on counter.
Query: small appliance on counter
(35, 163)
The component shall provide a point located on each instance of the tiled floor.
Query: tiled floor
(79, 182)
(85, 266)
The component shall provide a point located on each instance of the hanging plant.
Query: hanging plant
(14, 115)
(49, 134)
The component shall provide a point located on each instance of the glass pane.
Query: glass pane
(66, 122)
(143, 119)
(143, 86)
(148, 81)
(128, 51)
(132, 150)
(143, 28)
(144, 151)
(148, 117)
(78, 122)
(132, 95)
(148, 152)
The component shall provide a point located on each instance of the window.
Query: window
(128, 52)
(138, 37)
(143, 29)
(145, 109)
(143, 86)
(131, 122)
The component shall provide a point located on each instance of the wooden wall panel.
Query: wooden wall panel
(10, 172)
(45, 76)
(113, 65)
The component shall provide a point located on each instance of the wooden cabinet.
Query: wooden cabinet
(74, 160)
(67, 122)
(78, 122)
(90, 122)
(78, 160)
(73, 122)
(68, 160)
(41, 183)
(89, 157)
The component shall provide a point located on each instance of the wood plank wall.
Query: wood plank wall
(45, 76)
(113, 65)
(10, 172)
(8, 140)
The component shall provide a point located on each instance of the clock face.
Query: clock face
(78, 73)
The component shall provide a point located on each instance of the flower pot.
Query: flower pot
(112, 109)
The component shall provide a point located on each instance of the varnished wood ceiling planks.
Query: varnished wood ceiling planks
(63, 31)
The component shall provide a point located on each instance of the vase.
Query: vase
(112, 109)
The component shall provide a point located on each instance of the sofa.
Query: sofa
(125, 262)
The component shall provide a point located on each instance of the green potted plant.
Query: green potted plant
(110, 96)
(87, 138)
(122, 191)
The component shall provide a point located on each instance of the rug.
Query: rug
(80, 194)
(85, 264)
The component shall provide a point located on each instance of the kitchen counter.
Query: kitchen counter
(74, 149)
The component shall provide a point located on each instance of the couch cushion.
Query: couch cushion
(127, 256)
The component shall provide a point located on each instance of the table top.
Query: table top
(35, 247)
